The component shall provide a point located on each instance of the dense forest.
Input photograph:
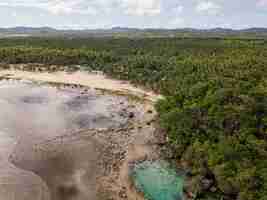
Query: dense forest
(215, 110)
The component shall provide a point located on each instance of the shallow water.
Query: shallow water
(157, 180)
(33, 109)
(33, 114)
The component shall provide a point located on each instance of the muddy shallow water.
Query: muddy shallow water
(32, 108)
(60, 143)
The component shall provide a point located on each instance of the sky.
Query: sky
(91, 14)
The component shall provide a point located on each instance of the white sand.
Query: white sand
(85, 79)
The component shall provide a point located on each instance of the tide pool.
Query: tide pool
(158, 180)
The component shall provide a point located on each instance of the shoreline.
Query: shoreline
(140, 142)
(96, 80)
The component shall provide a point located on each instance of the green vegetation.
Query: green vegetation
(215, 111)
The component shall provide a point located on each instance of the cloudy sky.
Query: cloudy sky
(79, 14)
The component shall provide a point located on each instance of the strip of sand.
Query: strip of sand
(97, 81)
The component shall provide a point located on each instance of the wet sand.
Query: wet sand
(70, 143)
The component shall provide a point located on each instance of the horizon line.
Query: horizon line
(126, 27)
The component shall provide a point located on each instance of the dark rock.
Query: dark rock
(131, 115)
(67, 191)
(150, 111)
(33, 99)
(206, 184)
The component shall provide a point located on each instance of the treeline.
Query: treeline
(16, 55)
(215, 111)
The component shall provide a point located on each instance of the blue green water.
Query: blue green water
(158, 180)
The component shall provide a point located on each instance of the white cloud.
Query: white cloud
(178, 9)
(262, 3)
(68, 7)
(208, 7)
(14, 14)
(92, 7)
(176, 20)
(141, 7)
(54, 6)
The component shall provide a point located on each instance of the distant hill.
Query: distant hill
(24, 30)
(255, 30)
(133, 32)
